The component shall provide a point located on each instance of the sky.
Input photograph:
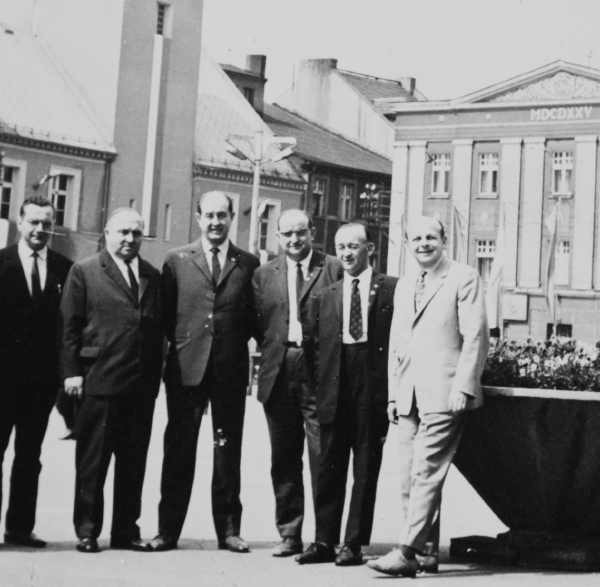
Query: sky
(452, 47)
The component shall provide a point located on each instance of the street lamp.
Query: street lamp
(258, 149)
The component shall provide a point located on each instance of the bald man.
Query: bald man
(438, 347)
(209, 319)
(286, 388)
(111, 357)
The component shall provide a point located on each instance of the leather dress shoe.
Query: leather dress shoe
(349, 555)
(316, 552)
(234, 544)
(30, 540)
(87, 545)
(395, 563)
(131, 544)
(161, 543)
(427, 563)
(288, 547)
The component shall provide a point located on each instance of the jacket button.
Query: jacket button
(380, 349)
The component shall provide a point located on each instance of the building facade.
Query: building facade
(495, 166)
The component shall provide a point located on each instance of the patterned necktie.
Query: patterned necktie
(420, 290)
(216, 266)
(133, 284)
(299, 286)
(36, 286)
(356, 326)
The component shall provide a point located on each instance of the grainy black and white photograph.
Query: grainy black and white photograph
(299, 293)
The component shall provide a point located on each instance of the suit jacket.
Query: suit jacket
(272, 309)
(201, 319)
(328, 314)
(112, 339)
(28, 331)
(443, 346)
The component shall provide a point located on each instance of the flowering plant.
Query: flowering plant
(558, 363)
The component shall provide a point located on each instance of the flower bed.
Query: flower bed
(554, 364)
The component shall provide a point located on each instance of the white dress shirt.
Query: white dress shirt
(295, 327)
(221, 255)
(26, 258)
(134, 264)
(364, 286)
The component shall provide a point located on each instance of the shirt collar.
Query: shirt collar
(304, 263)
(134, 263)
(207, 246)
(26, 251)
(362, 277)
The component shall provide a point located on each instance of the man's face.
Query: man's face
(295, 236)
(352, 249)
(425, 242)
(214, 218)
(124, 235)
(35, 225)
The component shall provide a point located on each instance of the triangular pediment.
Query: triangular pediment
(556, 81)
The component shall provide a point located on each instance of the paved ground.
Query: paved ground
(198, 562)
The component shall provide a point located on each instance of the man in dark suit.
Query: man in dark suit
(31, 282)
(352, 325)
(209, 320)
(111, 357)
(282, 289)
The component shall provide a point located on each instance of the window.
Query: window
(440, 176)
(6, 190)
(59, 196)
(249, 95)
(63, 192)
(346, 200)
(162, 18)
(562, 172)
(563, 261)
(488, 174)
(167, 223)
(267, 225)
(485, 252)
(263, 228)
(317, 205)
(562, 330)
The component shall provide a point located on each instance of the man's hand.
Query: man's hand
(74, 386)
(392, 412)
(457, 401)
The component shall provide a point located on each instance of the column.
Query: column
(510, 179)
(416, 191)
(530, 235)
(462, 158)
(397, 207)
(582, 257)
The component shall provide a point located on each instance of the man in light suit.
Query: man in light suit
(32, 277)
(282, 289)
(111, 358)
(209, 317)
(352, 323)
(438, 347)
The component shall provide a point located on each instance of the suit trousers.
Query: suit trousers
(186, 406)
(291, 413)
(428, 443)
(108, 425)
(359, 427)
(26, 408)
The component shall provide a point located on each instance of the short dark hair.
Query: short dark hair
(360, 222)
(40, 201)
(227, 197)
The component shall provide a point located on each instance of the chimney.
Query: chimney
(408, 83)
(257, 64)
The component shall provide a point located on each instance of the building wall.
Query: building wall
(524, 137)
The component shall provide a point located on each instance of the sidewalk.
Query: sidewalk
(198, 561)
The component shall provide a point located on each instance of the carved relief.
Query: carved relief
(561, 85)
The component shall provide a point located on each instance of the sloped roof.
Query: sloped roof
(38, 100)
(222, 110)
(318, 144)
(374, 88)
(236, 69)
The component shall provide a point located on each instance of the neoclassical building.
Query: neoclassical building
(511, 151)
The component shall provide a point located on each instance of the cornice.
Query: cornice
(238, 176)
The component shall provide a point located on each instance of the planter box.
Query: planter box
(533, 455)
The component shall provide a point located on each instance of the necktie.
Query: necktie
(133, 284)
(299, 286)
(216, 266)
(420, 290)
(356, 326)
(36, 286)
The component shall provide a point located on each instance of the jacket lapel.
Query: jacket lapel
(435, 282)
(233, 258)
(144, 277)
(376, 279)
(337, 292)
(19, 274)
(280, 278)
(314, 270)
(113, 272)
(199, 259)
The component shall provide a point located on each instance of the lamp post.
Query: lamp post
(258, 149)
